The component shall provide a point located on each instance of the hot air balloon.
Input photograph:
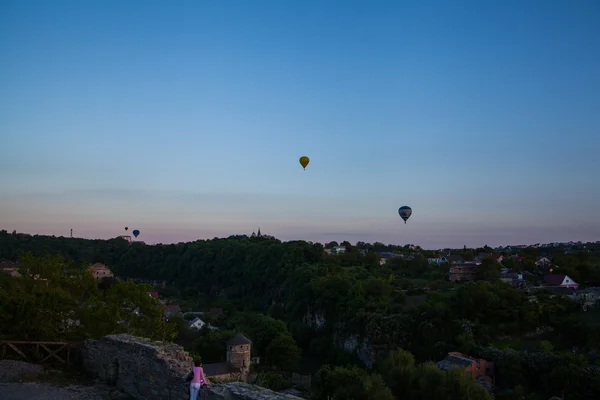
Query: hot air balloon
(136, 233)
(405, 212)
(126, 228)
(304, 161)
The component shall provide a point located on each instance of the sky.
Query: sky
(185, 119)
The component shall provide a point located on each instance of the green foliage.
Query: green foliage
(54, 300)
(313, 300)
(425, 381)
(273, 380)
(349, 382)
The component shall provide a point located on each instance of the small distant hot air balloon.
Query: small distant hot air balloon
(304, 161)
(136, 233)
(126, 228)
(405, 212)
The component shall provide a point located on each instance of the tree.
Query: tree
(349, 382)
(55, 300)
(283, 352)
(489, 270)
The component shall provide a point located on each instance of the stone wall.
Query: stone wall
(149, 370)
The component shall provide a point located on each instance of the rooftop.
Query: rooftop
(239, 339)
(453, 361)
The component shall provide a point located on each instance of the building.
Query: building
(385, 256)
(198, 324)
(482, 256)
(237, 366)
(10, 268)
(511, 277)
(455, 259)
(172, 309)
(254, 234)
(436, 259)
(339, 249)
(463, 272)
(543, 261)
(560, 281)
(480, 370)
(125, 237)
(100, 271)
(440, 259)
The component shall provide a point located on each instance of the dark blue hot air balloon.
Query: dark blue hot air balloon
(405, 212)
(136, 233)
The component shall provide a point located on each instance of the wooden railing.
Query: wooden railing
(40, 352)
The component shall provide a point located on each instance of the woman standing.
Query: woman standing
(197, 379)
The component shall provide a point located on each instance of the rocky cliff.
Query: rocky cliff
(149, 370)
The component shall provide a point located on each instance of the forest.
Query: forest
(301, 306)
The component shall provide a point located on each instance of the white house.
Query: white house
(560, 281)
(339, 249)
(437, 259)
(198, 324)
(543, 261)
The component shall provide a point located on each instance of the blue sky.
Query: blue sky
(186, 119)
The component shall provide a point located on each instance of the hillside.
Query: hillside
(351, 310)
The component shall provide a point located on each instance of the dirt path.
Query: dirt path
(18, 382)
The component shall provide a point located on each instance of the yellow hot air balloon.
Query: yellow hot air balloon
(304, 161)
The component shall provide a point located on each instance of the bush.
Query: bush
(273, 380)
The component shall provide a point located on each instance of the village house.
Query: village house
(560, 281)
(338, 250)
(543, 261)
(440, 259)
(511, 277)
(11, 268)
(198, 324)
(436, 259)
(237, 366)
(455, 259)
(517, 258)
(481, 370)
(100, 271)
(495, 256)
(172, 309)
(385, 256)
(462, 272)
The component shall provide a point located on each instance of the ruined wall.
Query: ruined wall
(141, 368)
(149, 370)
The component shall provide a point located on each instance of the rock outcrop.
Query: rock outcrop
(148, 370)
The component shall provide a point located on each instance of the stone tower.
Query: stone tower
(239, 349)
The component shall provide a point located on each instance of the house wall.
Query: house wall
(147, 370)
(462, 274)
(479, 367)
(100, 271)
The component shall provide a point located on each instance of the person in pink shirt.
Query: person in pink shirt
(197, 380)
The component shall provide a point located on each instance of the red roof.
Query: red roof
(154, 294)
(554, 279)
